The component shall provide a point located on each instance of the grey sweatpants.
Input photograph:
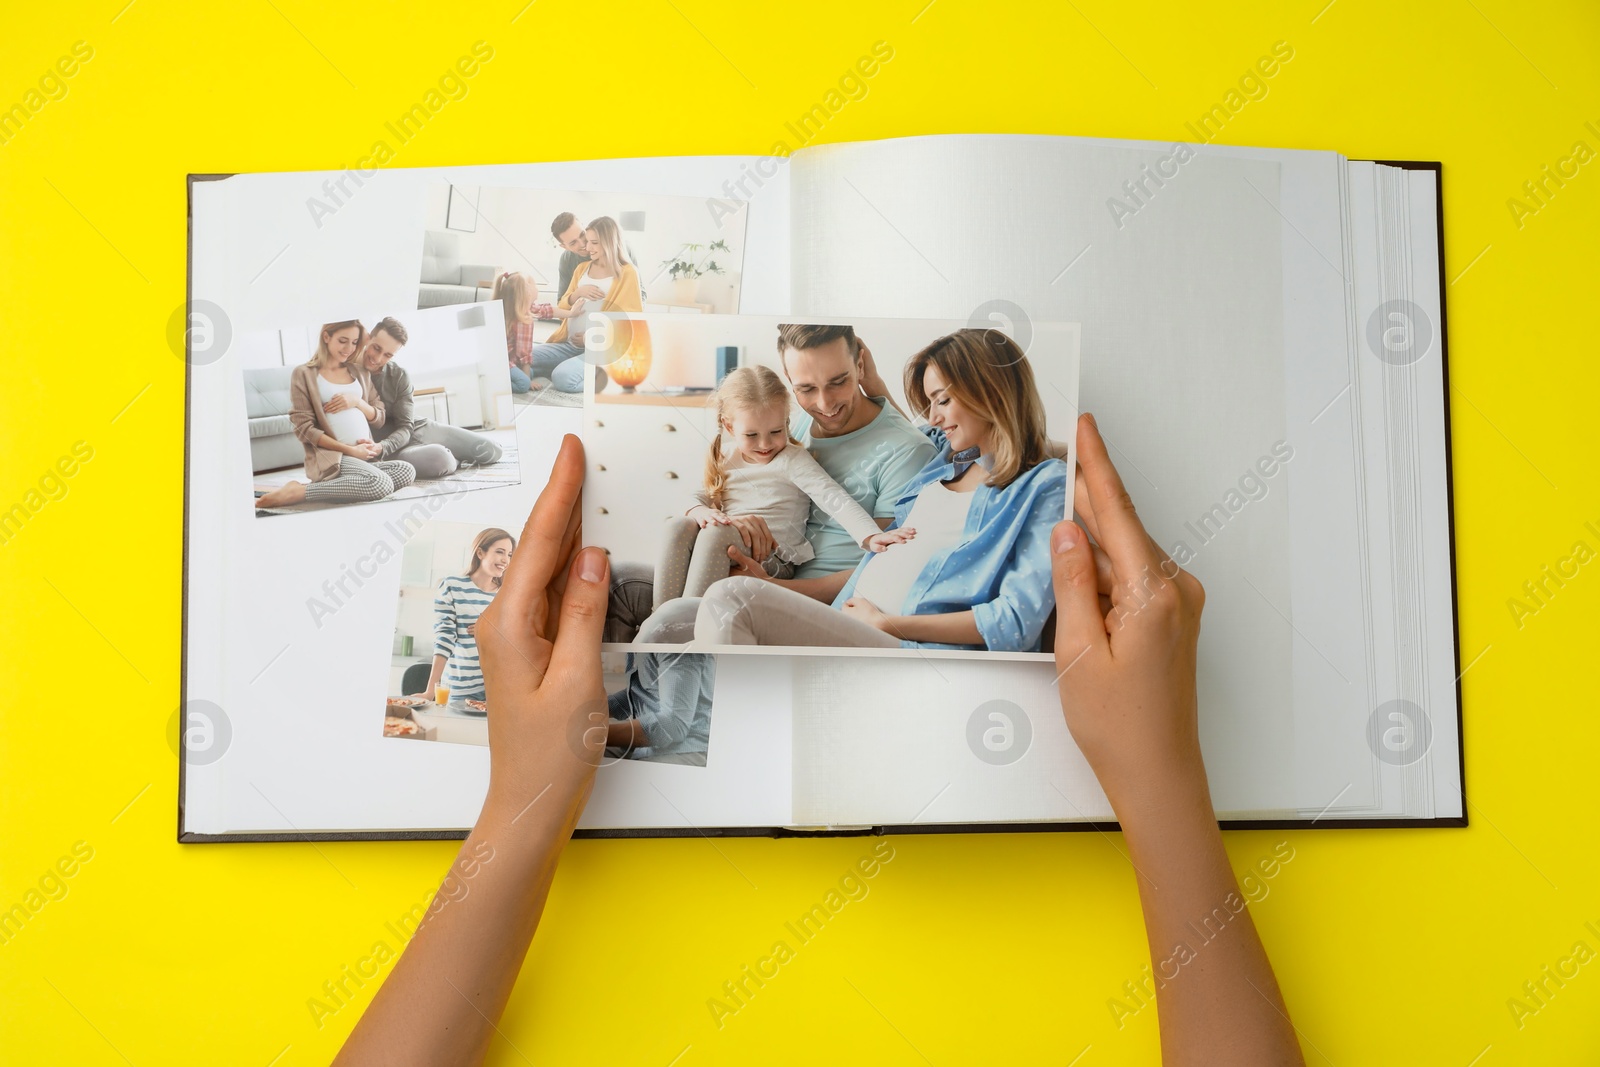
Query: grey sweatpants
(693, 558)
(749, 611)
(437, 449)
(360, 481)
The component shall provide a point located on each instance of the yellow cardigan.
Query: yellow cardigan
(623, 295)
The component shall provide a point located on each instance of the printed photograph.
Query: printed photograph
(377, 408)
(882, 487)
(658, 704)
(553, 259)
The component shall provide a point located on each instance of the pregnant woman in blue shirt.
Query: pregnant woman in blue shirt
(460, 600)
(976, 572)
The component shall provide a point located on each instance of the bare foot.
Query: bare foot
(284, 495)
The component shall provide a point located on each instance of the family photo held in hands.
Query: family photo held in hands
(858, 524)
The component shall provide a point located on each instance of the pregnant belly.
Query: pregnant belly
(349, 426)
(888, 576)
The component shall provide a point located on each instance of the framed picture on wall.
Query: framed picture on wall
(462, 213)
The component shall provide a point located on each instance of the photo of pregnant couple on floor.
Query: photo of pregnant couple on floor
(394, 410)
(832, 513)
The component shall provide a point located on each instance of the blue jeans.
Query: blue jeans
(566, 376)
(561, 362)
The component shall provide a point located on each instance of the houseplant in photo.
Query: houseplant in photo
(693, 262)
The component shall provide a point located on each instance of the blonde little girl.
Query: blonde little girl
(763, 472)
(518, 294)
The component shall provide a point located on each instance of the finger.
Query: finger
(1122, 535)
(539, 551)
(576, 658)
(1105, 575)
(1080, 625)
(571, 541)
(1082, 505)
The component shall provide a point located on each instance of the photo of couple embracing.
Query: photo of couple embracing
(872, 518)
(342, 413)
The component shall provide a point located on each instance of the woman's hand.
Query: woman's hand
(539, 641)
(758, 540)
(586, 291)
(340, 402)
(1128, 625)
(364, 448)
(540, 647)
(707, 516)
(872, 383)
(1127, 628)
(864, 610)
(880, 542)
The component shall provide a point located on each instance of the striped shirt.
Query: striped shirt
(455, 609)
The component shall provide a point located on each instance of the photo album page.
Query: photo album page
(829, 421)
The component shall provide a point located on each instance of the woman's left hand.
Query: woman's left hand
(539, 640)
(872, 383)
(864, 610)
(337, 404)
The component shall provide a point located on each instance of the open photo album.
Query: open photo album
(828, 403)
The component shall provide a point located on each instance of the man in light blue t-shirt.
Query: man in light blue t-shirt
(859, 437)
(864, 443)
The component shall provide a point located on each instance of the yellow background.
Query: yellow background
(1393, 947)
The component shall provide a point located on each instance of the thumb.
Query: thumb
(576, 655)
(1080, 628)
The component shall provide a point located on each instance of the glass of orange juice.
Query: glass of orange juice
(441, 695)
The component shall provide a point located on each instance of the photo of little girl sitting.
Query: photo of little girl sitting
(760, 471)
(518, 294)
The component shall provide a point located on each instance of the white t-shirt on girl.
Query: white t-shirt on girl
(781, 492)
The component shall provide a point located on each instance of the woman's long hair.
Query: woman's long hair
(321, 356)
(481, 545)
(743, 389)
(610, 235)
(515, 292)
(988, 372)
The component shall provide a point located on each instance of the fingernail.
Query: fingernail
(591, 564)
(1064, 538)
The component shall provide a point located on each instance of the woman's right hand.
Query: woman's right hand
(1127, 629)
(1126, 634)
(363, 449)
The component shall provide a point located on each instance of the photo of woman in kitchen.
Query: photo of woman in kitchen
(658, 704)
(456, 607)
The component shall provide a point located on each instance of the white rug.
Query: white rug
(506, 472)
